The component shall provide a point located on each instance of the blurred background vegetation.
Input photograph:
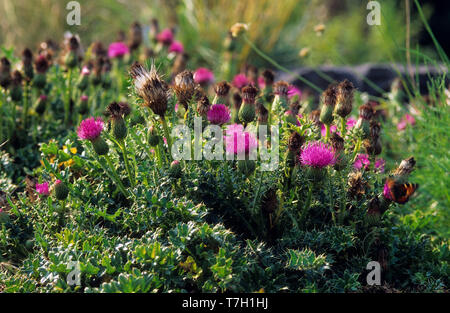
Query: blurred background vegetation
(279, 28)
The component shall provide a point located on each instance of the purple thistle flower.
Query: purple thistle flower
(237, 141)
(387, 192)
(117, 49)
(218, 114)
(292, 91)
(165, 37)
(240, 81)
(90, 128)
(43, 189)
(176, 47)
(362, 160)
(203, 76)
(351, 122)
(317, 154)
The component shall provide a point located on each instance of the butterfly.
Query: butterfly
(400, 192)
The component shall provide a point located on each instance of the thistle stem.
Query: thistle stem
(127, 165)
(327, 135)
(116, 176)
(68, 96)
(355, 152)
(167, 134)
(343, 124)
(25, 105)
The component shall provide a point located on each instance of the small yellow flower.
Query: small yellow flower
(319, 29)
(304, 52)
(238, 29)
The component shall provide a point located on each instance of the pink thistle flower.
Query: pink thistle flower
(351, 122)
(323, 130)
(176, 47)
(117, 49)
(43, 189)
(406, 120)
(84, 98)
(85, 71)
(387, 192)
(90, 128)
(219, 114)
(240, 81)
(261, 82)
(203, 76)
(292, 91)
(362, 160)
(317, 154)
(237, 141)
(43, 97)
(165, 37)
(58, 181)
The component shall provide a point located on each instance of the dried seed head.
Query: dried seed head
(150, 88)
(249, 94)
(222, 89)
(41, 64)
(269, 77)
(405, 168)
(135, 36)
(16, 78)
(184, 87)
(118, 109)
(329, 96)
(281, 88)
(73, 43)
(366, 112)
(337, 142)
(357, 185)
(203, 103)
(375, 129)
(345, 91)
(295, 142)
(180, 63)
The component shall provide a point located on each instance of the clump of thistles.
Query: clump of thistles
(150, 88)
(318, 155)
(219, 114)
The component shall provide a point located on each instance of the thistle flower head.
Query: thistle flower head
(204, 76)
(165, 37)
(184, 87)
(249, 94)
(294, 91)
(240, 81)
(73, 43)
(118, 109)
(41, 64)
(387, 191)
(295, 142)
(222, 89)
(337, 142)
(90, 128)
(329, 96)
(43, 189)
(268, 78)
(317, 154)
(118, 50)
(218, 114)
(238, 141)
(203, 104)
(357, 185)
(281, 88)
(150, 88)
(16, 78)
(176, 47)
(238, 29)
(345, 92)
(27, 57)
(237, 100)
(366, 112)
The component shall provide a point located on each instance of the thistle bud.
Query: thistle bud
(280, 100)
(41, 104)
(41, 65)
(153, 138)
(117, 112)
(222, 89)
(184, 87)
(100, 146)
(5, 72)
(344, 103)
(83, 106)
(71, 57)
(261, 112)
(328, 104)
(247, 110)
(203, 104)
(27, 63)
(61, 190)
(295, 143)
(83, 80)
(175, 170)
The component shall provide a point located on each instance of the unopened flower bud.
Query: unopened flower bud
(175, 170)
(328, 104)
(61, 190)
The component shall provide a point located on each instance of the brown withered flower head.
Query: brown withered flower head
(16, 78)
(249, 94)
(314, 116)
(27, 63)
(405, 168)
(41, 64)
(222, 89)
(345, 92)
(73, 43)
(180, 63)
(337, 142)
(203, 104)
(357, 185)
(261, 111)
(5, 72)
(329, 96)
(98, 49)
(150, 88)
(118, 109)
(375, 130)
(135, 35)
(269, 77)
(237, 100)
(281, 88)
(295, 142)
(366, 112)
(184, 87)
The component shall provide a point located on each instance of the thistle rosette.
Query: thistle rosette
(91, 129)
